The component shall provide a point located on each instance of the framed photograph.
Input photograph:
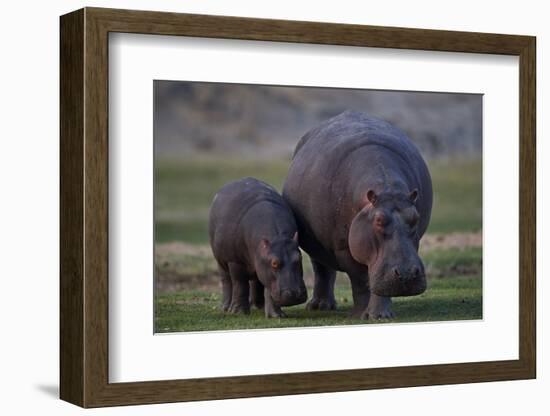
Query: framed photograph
(254, 207)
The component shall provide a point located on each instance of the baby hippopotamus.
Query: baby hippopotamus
(254, 239)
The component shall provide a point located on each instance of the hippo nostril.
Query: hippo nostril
(286, 294)
(415, 271)
(396, 273)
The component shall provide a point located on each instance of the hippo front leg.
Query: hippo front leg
(271, 309)
(379, 308)
(367, 305)
(361, 295)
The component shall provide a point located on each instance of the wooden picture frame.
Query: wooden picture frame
(84, 207)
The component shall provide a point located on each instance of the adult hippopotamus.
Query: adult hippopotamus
(254, 239)
(362, 198)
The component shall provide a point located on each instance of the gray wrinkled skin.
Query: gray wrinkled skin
(362, 198)
(254, 239)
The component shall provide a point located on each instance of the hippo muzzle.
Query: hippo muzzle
(289, 296)
(398, 280)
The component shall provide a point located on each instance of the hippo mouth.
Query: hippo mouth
(393, 287)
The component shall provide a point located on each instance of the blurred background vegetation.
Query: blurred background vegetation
(207, 134)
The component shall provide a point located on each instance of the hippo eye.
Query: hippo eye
(275, 264)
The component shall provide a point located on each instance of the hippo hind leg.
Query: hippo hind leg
(227, 287)
(257, 294)
(240, 303)
(323, 289)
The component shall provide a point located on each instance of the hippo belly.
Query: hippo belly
(361, 194)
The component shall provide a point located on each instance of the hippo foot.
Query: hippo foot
(225, 307)
(321, 304)
(274, 313)
(377, 314)
(239, 308)
(372, 313)
(379, 308)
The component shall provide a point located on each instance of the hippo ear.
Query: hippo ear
(413, 196)
(371, 196)
(265, 247)
(295, 237)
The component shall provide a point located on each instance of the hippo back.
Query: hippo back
(236, 204)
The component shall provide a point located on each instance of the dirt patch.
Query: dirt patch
(178, 247)
(168, 281)
(449, 241)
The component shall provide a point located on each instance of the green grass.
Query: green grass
(457, 196)
(452, 298)
(184, 190)
(190, 300)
